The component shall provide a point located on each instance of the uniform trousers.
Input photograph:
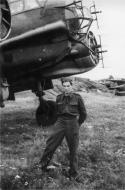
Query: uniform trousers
(65, 127)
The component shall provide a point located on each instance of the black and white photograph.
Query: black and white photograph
(62, 95)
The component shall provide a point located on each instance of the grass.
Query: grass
(101, 147)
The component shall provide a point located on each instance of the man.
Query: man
(71, 113)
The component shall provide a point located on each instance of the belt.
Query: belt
(68, 116)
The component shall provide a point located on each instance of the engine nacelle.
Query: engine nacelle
(5, 20)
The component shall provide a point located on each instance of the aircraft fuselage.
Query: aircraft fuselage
(47, 40)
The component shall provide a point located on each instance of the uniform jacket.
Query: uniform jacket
(72, 105)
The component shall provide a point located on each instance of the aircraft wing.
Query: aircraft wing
(118, 81)
(120, 87)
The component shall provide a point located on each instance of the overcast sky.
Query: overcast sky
(112, 28)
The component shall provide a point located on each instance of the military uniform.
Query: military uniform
(71, 113)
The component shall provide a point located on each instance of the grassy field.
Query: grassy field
(101, 148)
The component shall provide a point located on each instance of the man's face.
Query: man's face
(67, 87)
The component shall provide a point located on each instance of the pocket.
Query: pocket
(73, 107)
(60, 107)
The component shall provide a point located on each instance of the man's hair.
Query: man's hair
(66, 79)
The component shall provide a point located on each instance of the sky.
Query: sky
(112, 30)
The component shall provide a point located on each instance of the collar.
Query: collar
(69, 95)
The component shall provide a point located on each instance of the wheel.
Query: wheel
(46, 113)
